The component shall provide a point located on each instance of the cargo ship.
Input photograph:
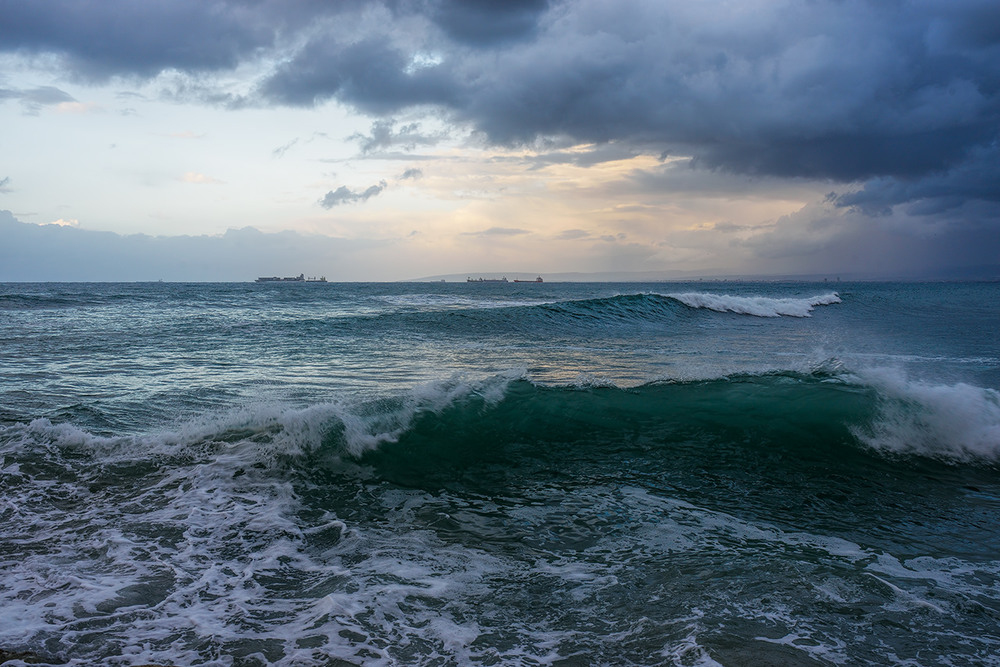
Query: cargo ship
(301, 278)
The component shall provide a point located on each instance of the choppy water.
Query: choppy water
(572, 474)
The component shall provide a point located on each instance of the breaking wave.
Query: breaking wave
(760, 306)
(876, 410)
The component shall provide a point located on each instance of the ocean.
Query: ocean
(705, 473)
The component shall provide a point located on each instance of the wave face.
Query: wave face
(644, 308)
(522, 474)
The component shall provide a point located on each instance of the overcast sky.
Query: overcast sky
(225, 139)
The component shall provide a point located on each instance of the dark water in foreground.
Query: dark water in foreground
(565, 474)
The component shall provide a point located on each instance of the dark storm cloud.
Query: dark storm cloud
(483, 22)
(845, 91)
(976, 177)
(114, 37)
(372, 74)
(344, 195)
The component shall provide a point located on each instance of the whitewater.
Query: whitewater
(709, 473)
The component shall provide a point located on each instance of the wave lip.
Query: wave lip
(759, 306)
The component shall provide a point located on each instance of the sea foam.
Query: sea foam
(959, 422)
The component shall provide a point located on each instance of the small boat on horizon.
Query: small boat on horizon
(536, 280)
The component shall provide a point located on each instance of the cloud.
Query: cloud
(731, 228)
(280, 151)
(35, 99)
(587, 156)
(498, 231)
(892, 102)
(344, 195)
(71, 222)
(487, 22)
(97, 41)
(977, 177)
(384, 135)
(4, 183)
(845, 91)
(372, 74)
(411, 173)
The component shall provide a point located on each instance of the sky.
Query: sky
(365, 140)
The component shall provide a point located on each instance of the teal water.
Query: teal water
(572, 474)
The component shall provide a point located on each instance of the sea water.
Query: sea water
(533, 474)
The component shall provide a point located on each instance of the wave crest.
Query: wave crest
(760, 306)
(958, 422)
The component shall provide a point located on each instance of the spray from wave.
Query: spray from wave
(958, 422)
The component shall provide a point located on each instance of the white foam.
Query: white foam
(760, 306)
(364, 432)
(259, 432)
(956, 421)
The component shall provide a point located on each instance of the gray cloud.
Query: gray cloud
(344, 195)
(4, 182)
(411, 173)
(599, 154)
(487, 22)
(727, 227)
(384, 135)
(120, 37)
(373, 74)
(280, 151)
(498, 231)
(975, 178)
(847, 91)
(35, 99)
